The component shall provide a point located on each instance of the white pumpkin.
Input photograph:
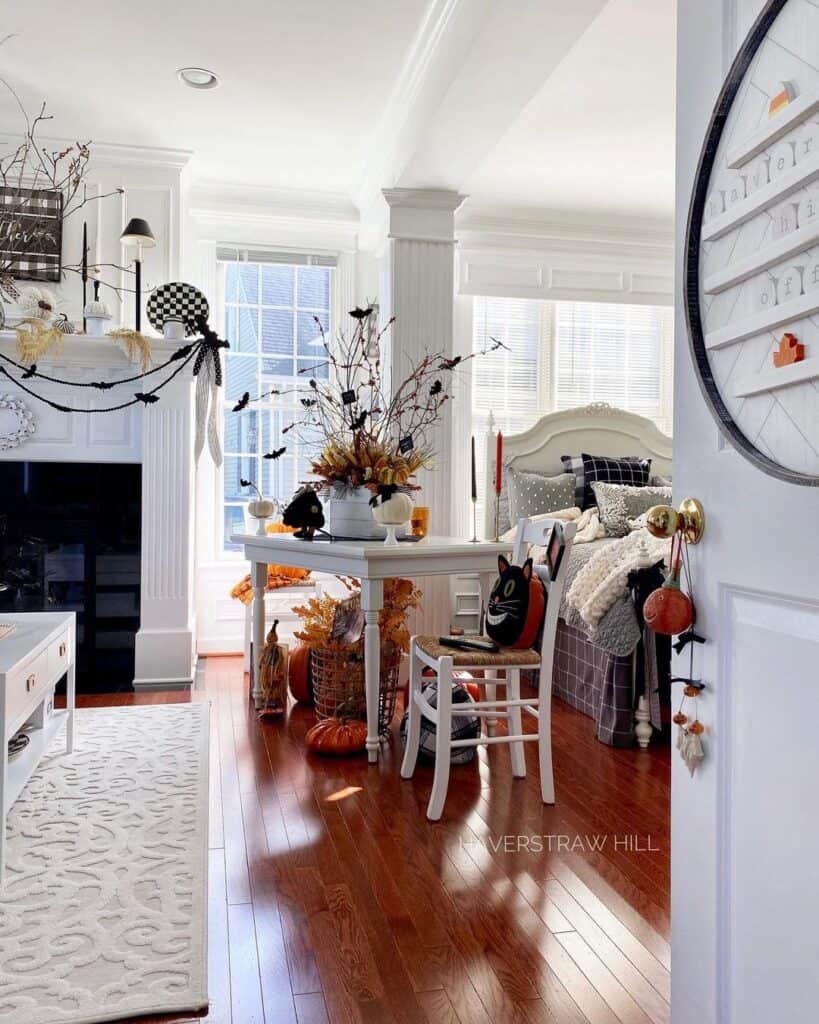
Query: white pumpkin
(394, 511)
(36, 303)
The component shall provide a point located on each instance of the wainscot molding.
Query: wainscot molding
(607, 262)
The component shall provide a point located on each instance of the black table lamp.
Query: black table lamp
(138, 232)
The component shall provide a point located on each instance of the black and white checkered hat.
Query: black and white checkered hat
(176, 299)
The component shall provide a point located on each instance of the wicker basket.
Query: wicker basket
(338, 677)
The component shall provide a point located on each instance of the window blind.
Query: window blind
(508, 382)
(242, 254)
(614, 353)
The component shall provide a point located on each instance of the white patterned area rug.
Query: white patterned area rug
(103, 914)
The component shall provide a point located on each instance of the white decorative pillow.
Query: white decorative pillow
(612, 499)
(533, 494)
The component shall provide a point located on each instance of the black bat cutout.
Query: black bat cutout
(361, 314)
(436, 388)
(30, 371)
(276, 453)
(449, 364)
(146, 398)
(242, 403)
(359, 421)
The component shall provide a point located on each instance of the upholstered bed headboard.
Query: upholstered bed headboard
(598, 429)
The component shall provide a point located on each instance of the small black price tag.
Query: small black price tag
(406, 444)
(348, 397)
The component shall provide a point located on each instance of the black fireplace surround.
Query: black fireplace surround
(70, 541)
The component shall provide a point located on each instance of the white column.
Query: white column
(419, 289)
(165, 641)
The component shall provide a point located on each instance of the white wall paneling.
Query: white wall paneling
(580, 268)
(768, 839)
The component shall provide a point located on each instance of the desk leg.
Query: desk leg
(259, 575)
(372, 601)
(71, 701)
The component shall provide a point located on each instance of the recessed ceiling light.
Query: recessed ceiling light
(198, 78)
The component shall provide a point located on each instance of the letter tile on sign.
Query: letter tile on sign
(810, 275)
(807, 141)
(808, 209)
(789, 285)
(735, 192)
(784, 219)
(756, 174)
(715, 204)
(782, 159)
(764, 293)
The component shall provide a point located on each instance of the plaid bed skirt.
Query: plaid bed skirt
(597, 683)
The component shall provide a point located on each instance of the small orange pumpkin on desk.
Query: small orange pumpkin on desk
(338, 736)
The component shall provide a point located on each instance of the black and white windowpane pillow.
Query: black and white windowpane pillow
(630, 469)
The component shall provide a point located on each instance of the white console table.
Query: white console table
(372, 562)
(33, 659)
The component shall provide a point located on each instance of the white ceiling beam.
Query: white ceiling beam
(472, 68)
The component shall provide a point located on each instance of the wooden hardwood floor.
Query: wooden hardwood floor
(332, 899)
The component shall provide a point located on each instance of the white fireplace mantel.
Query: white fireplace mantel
(160, 437)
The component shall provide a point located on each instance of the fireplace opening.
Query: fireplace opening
(70, 541)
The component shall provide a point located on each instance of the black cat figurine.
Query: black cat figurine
(305, 512)
(517, 605)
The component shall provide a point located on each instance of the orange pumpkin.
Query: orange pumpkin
(534, 615)
(298, 674)
(668, 610)
(337, 736)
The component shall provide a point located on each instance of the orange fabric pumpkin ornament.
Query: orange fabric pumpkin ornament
(337, 736)
(298, 674)
(668, 610)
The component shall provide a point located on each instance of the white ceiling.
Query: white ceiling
(303, 81)
(306, 82)
(597, 141)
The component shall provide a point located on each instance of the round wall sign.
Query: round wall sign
(752, 251)
(16, 422)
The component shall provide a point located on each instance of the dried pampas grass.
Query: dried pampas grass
(135, 344)
(35, 337)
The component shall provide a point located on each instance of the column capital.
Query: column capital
(422, 214)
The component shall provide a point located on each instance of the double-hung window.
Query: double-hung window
(271, 302)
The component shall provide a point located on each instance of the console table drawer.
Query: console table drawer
(59, 654)
(23, 687)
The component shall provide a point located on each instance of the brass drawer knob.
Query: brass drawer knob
(63, 649)
(30, 683)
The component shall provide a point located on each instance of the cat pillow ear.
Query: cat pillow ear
(527, 569)
(503, 564)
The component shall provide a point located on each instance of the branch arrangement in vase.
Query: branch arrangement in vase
(362, 429)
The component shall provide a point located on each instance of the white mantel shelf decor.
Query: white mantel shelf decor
(160, 438)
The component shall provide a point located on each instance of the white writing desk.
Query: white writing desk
(371, 562)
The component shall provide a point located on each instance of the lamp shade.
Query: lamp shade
(138, 232)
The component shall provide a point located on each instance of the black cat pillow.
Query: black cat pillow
(517, 605)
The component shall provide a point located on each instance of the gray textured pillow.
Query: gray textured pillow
(533, 494)
(612, 497)
(660, 481)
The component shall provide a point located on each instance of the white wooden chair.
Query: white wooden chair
(426, 651)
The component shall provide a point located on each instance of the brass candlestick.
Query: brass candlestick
(497, 516)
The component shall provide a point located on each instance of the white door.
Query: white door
(745, 828)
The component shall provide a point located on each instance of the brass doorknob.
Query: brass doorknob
(689, 520)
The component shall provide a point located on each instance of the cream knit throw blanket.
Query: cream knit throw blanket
(589, 527)
(604, 578)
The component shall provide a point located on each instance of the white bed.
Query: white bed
(594, 680)
(598, 429)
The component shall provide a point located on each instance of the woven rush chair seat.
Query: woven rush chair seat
(499, 670)
(478, 659)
